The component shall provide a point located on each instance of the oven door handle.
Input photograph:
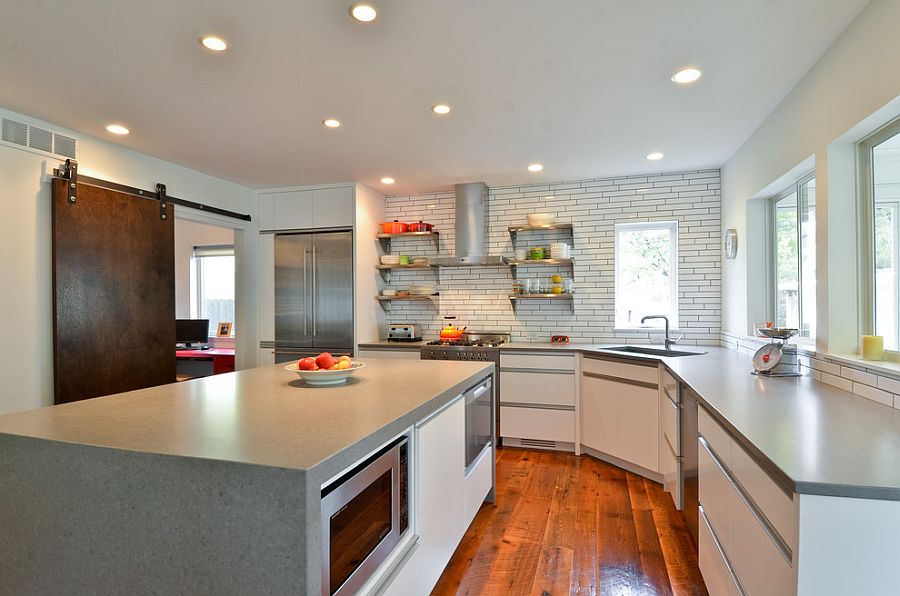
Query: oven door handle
(476, 393)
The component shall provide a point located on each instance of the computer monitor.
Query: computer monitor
(191, 331)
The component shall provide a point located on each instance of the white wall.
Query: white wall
(840, 100)
(368, 315)
(189, 234)
(26, 311)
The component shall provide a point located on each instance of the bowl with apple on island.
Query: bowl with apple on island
(324, 369)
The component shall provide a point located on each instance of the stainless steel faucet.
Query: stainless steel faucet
(668, 341)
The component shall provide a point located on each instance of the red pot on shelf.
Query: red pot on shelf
(420, 226)
(394, 227)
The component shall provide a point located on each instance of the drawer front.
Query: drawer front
(716, 573)
(775, 504)
(548, 388)
(715, 495)
(538, 424)
(670, 423)
(670, 466)
(538, 361)
(478, 485)
(620, 370)
(639, 426)
(758, 563)
(669, 384)
(401, 354)
(715, 435)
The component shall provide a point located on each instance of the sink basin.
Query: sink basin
(651, 351)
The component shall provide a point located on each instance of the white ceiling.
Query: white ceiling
(579, 85)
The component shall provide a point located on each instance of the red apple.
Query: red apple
(325, 360)
(307, 363)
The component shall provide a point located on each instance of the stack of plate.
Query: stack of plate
(422, 290)
(390, 259)
(560, 250)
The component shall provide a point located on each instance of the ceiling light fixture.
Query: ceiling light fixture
(211, 42)
(441, 109)
(654, 156)
(364, 13)
(387, 180)
(117, 129)
(331, 123)
(535, 167)
(686, 75)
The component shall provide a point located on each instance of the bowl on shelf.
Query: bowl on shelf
(402, 293)
(390, 259)
(388, 292)
(420, 261)
(422, 290)
(325, 377)
(541, 219)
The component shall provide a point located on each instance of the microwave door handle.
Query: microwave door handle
(474, 395)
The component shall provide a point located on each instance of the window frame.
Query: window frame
(866, 209)
(198, 254)
(772, 256)
(672, 226)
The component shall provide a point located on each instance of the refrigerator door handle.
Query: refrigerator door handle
(305, 292)
(314, 289)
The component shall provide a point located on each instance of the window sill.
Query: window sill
(885, 367)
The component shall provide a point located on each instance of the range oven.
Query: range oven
(365, 515)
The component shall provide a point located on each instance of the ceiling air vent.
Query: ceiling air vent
(40, 139)
(15, 132)
(37, 140)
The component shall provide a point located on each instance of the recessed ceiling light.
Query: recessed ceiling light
(686, 75)
(364, 13)
(211, 42)
(654, 156)
(535, 167)
(387, 180)
(117, 129)
(331, 123)
(441, 109)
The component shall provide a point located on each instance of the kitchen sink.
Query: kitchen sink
(651, 351)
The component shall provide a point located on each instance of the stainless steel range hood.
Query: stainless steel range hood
(471, 202)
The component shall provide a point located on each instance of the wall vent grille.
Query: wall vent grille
(538, 443)
(20, 135)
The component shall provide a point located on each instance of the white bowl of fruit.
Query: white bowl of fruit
(324, 369)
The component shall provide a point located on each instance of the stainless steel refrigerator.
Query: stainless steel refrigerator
(313, 294)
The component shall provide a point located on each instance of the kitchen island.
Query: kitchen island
(210, 486)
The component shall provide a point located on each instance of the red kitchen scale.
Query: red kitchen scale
(777, 358)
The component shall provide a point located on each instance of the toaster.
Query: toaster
(404, 332)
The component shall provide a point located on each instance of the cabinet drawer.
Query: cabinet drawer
(758, 562)
(478, 485)
(639, 425)
(670, 422)
(716, 573)
(715, 435)
(670, 466)
(715, 495)
(620, 370)
(536, 423)
(669, 384)
(775, 504)
(538, 361)
(548, 388)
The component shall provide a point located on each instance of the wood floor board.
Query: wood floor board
(573, 525)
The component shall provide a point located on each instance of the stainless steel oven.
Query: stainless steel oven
(365, 514)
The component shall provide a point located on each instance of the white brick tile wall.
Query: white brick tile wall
(479, 296)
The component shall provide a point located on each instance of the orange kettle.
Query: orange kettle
(450, 331)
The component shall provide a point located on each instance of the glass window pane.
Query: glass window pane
(215, 290)
(808, 258)
(646, 258)
(886, 236)
(787, 263)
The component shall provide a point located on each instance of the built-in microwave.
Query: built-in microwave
(365, 515)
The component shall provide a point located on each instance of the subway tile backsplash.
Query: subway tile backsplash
(478, 296)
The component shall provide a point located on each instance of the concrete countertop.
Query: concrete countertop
(398, 345)
(264, 416)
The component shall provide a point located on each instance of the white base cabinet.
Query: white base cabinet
(391, 353)
(266, 357)
(442, 498)
(538, 394)
(620, 411)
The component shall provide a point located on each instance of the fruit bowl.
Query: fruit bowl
(324, 377)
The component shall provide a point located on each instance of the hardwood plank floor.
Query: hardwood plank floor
(573, 525)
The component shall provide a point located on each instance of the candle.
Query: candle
(872, 347)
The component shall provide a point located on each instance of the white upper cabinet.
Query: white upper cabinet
(307, 209)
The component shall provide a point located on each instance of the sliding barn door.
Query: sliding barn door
(114, 293)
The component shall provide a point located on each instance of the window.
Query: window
(793, 215)
(646, 272)
(212, 285)
(881, 214)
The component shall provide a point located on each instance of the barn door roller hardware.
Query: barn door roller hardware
(69, 171)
